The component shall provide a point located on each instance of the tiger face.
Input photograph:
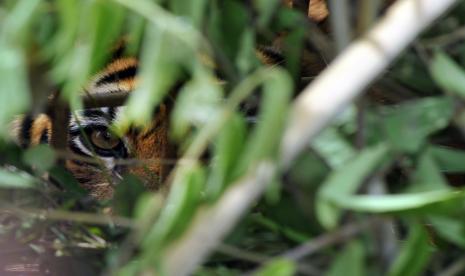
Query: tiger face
(99, 157)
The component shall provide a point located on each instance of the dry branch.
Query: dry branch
(312, 111)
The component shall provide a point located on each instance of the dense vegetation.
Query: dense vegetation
(378, 191)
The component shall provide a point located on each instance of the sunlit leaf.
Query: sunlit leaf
(334, 149)
(198, 102)
(448, 74)
(158, 72)
(281, 267)
(345, 181)
(397, 202)
(16, 179)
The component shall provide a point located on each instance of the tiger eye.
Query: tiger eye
(104, 139)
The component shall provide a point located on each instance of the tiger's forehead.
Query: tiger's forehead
(120, 75)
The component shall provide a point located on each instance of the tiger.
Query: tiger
(90, 135)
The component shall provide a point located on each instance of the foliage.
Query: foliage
(391, 166)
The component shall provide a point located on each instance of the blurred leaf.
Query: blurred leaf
(265, 8)
(449, 160)
(105, 23)
(158, 72)
(166, 22)
(178, 210)
(15, 25)
(67, 181)
(350, 261)
(16, 179)
(345, 181)
(281, 267)
(263, 141)
(427, 176)
(68, 17)
(448, 74)
(148, 207)
(14, 96)
(411, 72)
(407, 125)
(246, 58)
(293, 49)
(396, 203)
(451, 229)
(40, 157)
(227, 149)
(197, 103)
(334, 149)
(127, 192)
(193, 10)
(414, 255)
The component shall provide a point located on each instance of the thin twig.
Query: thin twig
(444, 40)
(344, 233)
(70, 216)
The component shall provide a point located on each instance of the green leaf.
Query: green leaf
(246, 57)
(159, 70)
(264, 140)
(227, 149)
(408, 125)
(351, 261)
(14, 96)
(265, 9)
(193, 10)
(451, 229)
(449, 160)
(16, 24)
(427, 176)
(345, 181)
(66, 180)
(127, 192)
(16, 179)
(279, 267)
(179, 209)
(447, 74)
(334, 149)
(395, 203)
(104, 28)
(414, 255)
(197, 103)
(40, 157)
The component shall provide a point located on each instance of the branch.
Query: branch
(313, 110)
(324, 98)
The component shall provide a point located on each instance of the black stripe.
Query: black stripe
(25, 131)
(90, 113)
(126, 73)
(44, 137)
(77, 150)
(272, 54)
(112, 112)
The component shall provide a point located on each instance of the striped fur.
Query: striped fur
(99, 178)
